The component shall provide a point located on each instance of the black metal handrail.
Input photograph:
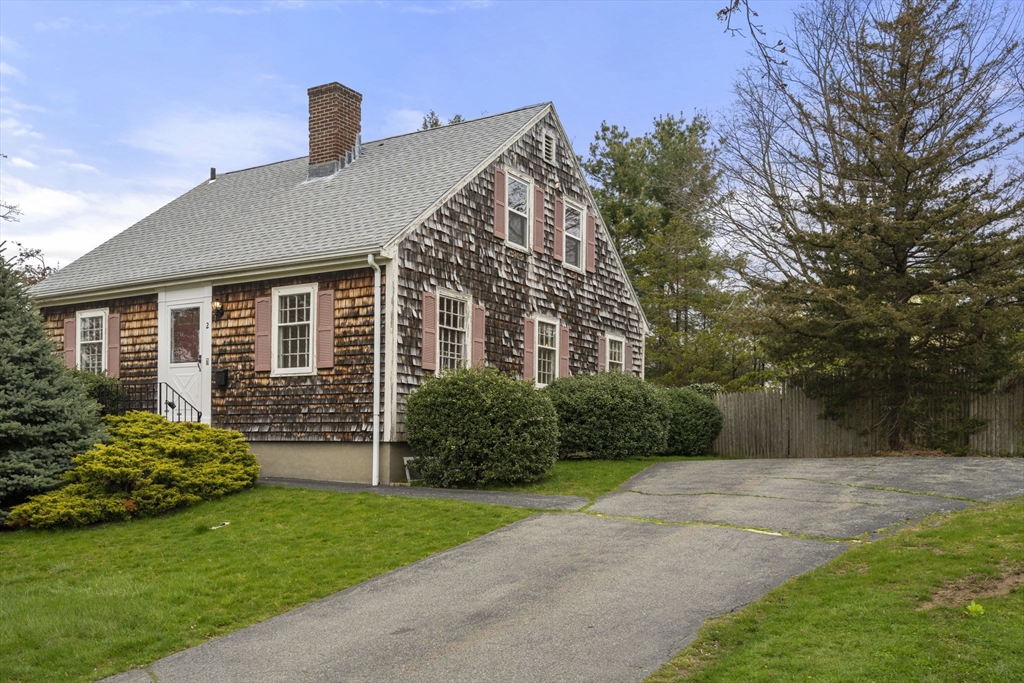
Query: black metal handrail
(176, 407)
(160, 398)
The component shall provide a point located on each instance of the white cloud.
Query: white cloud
(65, 225)
(400, 122)
(16, 128)
(22, 163)
(444, 7)
(11, 47)
(11, 105)
(53, 25)
(227, 141)
(8, 70)
(82, 167)
(255, 7)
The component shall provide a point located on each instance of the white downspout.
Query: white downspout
(376, 369)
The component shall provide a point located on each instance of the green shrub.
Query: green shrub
(477, 427)
(610, 415)
(694, 421)
(105, 390)
(707, 389)
(148, 466)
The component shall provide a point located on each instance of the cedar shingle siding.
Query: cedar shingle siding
(138, 332)
(334, 404)
(456, 249)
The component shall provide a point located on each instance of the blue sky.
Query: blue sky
(110, 110)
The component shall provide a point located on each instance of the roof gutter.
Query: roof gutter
(263, 271)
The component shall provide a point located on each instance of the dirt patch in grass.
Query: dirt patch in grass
(962, 591)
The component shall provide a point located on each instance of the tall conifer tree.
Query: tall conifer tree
(881, 208)
(46, 417)
(657, 193)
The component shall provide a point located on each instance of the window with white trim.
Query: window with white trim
(294, 310)
(547, 352)
(518, 211)
(573, 236)
(615, 354)
(451, 332)
(91, 329)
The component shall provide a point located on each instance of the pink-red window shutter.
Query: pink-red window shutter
(628, 354)
(563, 352)
(538, 219)
(114, 345)
(263, 325)
(602, 353)
(325, 329)
(478, 353)
(500, 202)
(529, 344)
(70, 342)
(559, 229)
(591, 241)
(428, 356)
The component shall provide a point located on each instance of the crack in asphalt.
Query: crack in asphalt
(721, 525)
(754, 495)
(881, 488)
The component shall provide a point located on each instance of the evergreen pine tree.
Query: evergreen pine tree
(881, 209)
(658, 193)
(46, 417)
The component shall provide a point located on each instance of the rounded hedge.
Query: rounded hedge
(476, 427)
(105, 390)
(694, 421)
(610, 415)
(148, 466)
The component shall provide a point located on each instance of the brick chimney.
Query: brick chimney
(335, 114)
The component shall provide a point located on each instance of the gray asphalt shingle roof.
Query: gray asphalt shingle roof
(271, 215)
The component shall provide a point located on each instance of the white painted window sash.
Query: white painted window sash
(277, 327)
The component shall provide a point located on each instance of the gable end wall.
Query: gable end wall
(456, 249)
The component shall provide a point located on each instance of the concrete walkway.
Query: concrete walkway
(608, 594)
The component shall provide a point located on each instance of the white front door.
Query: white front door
(184, 347)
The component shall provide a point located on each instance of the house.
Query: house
(301, 302)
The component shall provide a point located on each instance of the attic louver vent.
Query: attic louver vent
(549, 148)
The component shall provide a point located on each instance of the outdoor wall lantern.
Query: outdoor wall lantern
(218, 310)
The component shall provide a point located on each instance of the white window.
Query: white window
(294, 310)
(549, 148)
(547, 352)
(518, 211)
(451, 332)
(92, 337)
(573, 236)
(615, 354)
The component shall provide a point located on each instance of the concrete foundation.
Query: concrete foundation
(330, 461)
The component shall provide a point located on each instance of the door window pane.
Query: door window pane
(185, 335)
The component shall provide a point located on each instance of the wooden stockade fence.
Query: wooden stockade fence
(783, 423)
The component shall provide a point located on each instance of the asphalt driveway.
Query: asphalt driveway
(606, 594)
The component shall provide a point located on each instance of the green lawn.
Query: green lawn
(80, 605)
(867, 616)
(591, 478)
